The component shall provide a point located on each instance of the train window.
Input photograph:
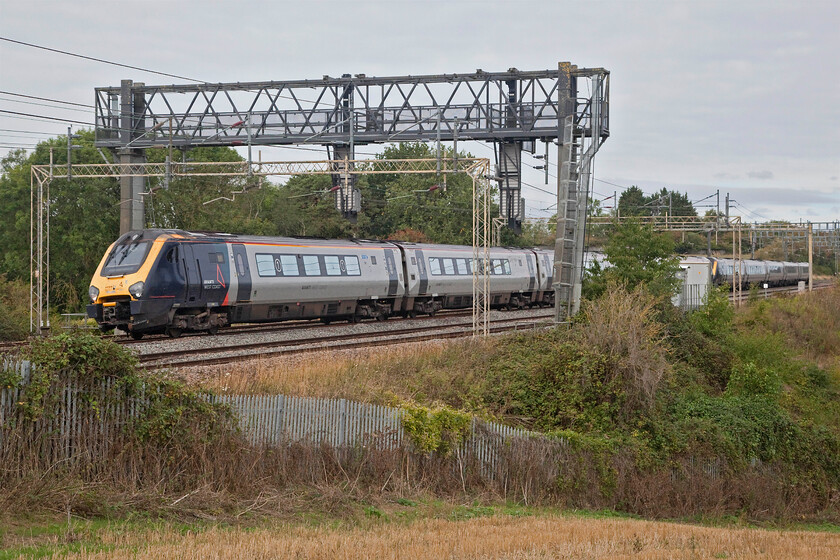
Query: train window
(126, 259)
(414, 260)
(497, 267)
(461, 266)
(331, 263)
(352, 265)
(240, 265)
(216, 257)
(311, 266)
(448, 266)
(289, 265)
(265, 265)
(434, 266)
(372, 259)
(172, 255)
(506, 265)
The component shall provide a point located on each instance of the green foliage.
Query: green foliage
(84, 355)
(714, 318)
(633, 202)
(552, 383)
(750, 380)
(14, 309)
(437, 430)
(638, 256)
(84, 219)
(174, 412)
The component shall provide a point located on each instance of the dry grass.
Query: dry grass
(621, 324)
(483, 538)
(364, 375)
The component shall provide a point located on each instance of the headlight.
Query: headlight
(136, 289)
(93, 292)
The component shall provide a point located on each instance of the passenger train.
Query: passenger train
(171, 281)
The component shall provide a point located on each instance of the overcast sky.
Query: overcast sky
(738, 96)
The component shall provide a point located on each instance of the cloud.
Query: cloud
(760, 174)
(724, 176)
(833, 178)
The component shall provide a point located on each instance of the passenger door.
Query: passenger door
(421, 270)
(243, 273)
(192, 274)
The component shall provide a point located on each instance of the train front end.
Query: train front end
(118, 289)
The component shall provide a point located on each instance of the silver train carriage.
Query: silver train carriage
(755, 272)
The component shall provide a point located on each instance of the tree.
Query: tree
(632, 202)
(638, 256)
(396, 202)
(84, 219)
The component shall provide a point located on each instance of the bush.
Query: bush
(750, 380)
(714, 317)
(622, 326)
(14, 309)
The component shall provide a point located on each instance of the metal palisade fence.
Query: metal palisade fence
(270, 420)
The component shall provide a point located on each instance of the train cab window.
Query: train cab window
(126, 258)
(216, 257)
(332, 265)
(172, 255)
(434, 266)
(311, 266)
(265, 265)
(288, 265)
(506, 266)
(240, 265)
(372, 260)
(448, 266)
(351, 264)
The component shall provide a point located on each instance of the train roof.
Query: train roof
(216, 237)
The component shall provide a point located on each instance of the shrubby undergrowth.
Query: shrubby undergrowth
(659, 412)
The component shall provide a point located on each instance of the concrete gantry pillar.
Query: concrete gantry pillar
(132, 126)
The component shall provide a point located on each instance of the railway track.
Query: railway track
(296, 326)
(237, 352)
(780, 290)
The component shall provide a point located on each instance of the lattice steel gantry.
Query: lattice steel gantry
(512, 109)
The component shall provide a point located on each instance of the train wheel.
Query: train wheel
(136, 335)
(173, 333)
(213, 330)
(411, 314)
(326, 320)
(432, 312)
(353, 319)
